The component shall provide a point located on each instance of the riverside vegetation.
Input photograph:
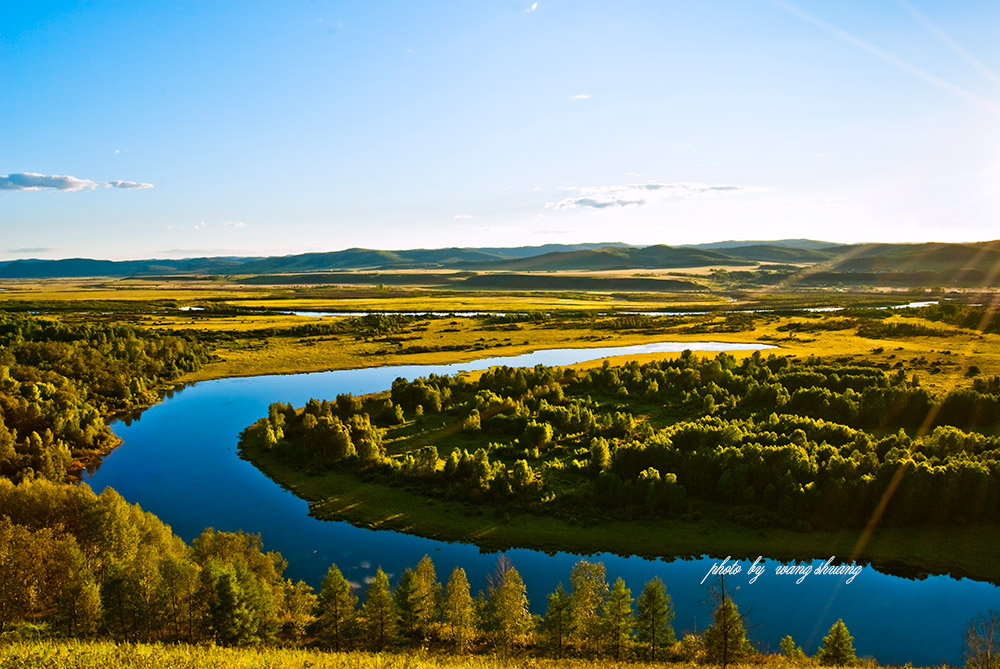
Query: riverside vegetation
(75, 564)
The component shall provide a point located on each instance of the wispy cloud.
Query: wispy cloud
(235, 224)
(35, 181)
(463, 216)
(637, 195)
(32, 249)
(532, 8)
(581, 96)
(128, 184)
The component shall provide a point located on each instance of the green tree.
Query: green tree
(298, 608)
(426, 596)
(789, 649)
(459, 612)
(406, 604)
(335, 608)
(618, 618)
(590, 588)
(656, 612)
(557, 621)
(510, 620)
(838, 647)
(725, 640)
(379, 612)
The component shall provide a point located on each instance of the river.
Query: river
(179, 460)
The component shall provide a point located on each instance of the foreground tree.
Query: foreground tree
(335, 608)
(379, 612)
(510, 621)
(426, 596)
(656, 612)
(838, 647)
(590, 588)
(557, 621)
(789, 648)
(726, 640)
(459, 612)
(982, 641)
(618, 618)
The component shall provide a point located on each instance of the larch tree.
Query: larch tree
(379, 612)
(459, 612)
(557, 621)
(618, 618)
(335, 608)
(838, 647)
(590, 588)
(726, 640)
(656, 613)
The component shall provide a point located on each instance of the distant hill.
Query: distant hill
(650, 257)
(940, 264)
(811, 244)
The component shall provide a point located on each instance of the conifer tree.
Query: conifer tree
(557, 621)
(590, 588)
(618, 618)
(379, 612)
(656, 612)
(459, 611)
(726, 640)
(838, 647)
(335, 608)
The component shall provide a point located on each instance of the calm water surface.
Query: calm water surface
(179, 460)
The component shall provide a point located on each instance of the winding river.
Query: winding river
(179, 461)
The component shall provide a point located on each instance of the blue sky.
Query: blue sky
(152, 129)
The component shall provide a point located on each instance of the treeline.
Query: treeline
(80, 564)
(76, 564)
(59, 382)
(804, 443)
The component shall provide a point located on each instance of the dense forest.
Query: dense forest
(77, 564)
(806, 444)
(59, 383)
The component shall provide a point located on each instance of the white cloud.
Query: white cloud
(463, 216)
(130, 185)
(637, 195)
(35, 181)
(235, 224)
(533, 7)
(581, 96)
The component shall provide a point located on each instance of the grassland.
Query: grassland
(107, 655)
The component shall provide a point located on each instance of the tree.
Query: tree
(426, 595)
(510, 620)
(557, 621)
(789, 649)
(335, 608)
(379, 612)
(590, 588)
(656, 612)
(618, 618)
(982, 641)
(726, 640)
(838, 647)
(459, 611)
(406, 604)
(299, 606)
